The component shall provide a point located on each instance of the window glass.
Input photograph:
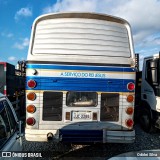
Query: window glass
(152, 72)
(4, 125)
(89, 37)
(148, 72)
(81, 99)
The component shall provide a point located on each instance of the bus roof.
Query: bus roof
(85, 15)
(75, 35)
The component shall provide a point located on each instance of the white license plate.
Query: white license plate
(81, 115)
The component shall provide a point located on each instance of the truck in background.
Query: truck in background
(147, 103)
(12, 84)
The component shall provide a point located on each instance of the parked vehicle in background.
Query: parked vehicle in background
(80, 75)
(12, 84)
(10, 128)
(136, 155)
(148, 94)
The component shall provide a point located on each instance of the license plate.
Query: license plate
(81, 116)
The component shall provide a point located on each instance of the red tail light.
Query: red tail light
(30, 121)
(129, 123)
(31, 83)
(130, 86)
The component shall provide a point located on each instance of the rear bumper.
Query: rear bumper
(82, 136)
(119, 136)
(102, 136)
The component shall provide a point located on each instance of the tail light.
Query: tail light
(31, 96)
(30, 121)
(94, 116)
(130, 86)
(129, 123)
(67, 115)
(31, 109)
(129, 110)
(130, 98)
(31, 83)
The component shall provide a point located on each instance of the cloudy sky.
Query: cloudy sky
(17, 16)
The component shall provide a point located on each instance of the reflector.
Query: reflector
(130, 98)
(31, 96)
(129, 110)
(31, 108)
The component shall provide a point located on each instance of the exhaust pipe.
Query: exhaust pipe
(50, 136)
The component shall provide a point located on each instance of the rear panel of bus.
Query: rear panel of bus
(80, 73)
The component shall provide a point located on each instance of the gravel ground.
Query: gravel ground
(144, 141)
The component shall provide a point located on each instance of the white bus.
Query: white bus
(80, 77)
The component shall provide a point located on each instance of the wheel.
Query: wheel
(146, 121)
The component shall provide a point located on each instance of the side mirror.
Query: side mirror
(154, 71)
(3, 133)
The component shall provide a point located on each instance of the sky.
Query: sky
(17, 16)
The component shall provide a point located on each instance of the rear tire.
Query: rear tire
(146, 121)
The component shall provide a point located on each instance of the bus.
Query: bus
(80, 79)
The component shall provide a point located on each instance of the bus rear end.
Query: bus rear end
(80, 79)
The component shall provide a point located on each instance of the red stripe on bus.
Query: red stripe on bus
(4, 63)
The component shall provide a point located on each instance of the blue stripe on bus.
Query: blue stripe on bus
(80, 84)
(71, 67)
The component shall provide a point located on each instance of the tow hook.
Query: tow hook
(50, 136)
